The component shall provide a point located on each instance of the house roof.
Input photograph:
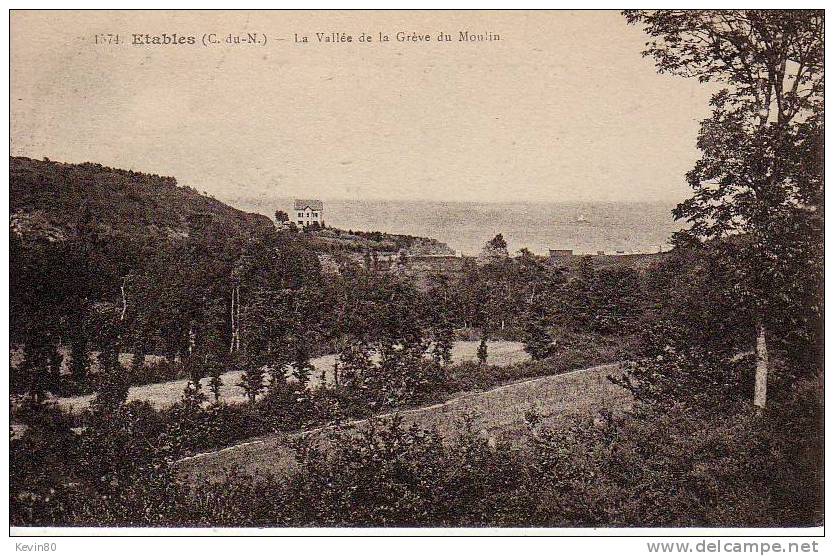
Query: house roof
(314, 204)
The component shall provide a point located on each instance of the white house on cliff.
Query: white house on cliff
(307, 211)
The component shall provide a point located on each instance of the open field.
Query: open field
(166, 394)
(493, 412)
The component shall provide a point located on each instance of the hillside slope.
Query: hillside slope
(92, 246)
(51, 199)
(498, 412)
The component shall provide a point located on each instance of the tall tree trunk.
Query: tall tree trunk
(237, 318)
(124, 299)
(760, 390)
(232, 315)
(192, 338)
(234, 345)
(55, 361)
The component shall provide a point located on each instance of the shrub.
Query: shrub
(680, 467)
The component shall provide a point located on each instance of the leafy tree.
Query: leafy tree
(215, 382)
(79, 342)
(79, 357)
(281, 406)
(693, 377)
(695, 333)
(354, 361)
(482, 349)
(580, 299)
(252, 379)
(193, 396)
(495, 249)
(137, 362)
(530, 278)
(301, 366)
(498, 243)
(615, 299)
(35, 370)
(756, 171)
(55, 361)
(41, 287)
(689, 303)
(190, 426)
(112, 389)
(281, 216)
(537, 339)
(443, 342)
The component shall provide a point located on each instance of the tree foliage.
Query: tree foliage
(760, 173)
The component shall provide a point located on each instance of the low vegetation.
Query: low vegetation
(680, 467)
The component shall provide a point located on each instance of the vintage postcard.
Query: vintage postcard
(460, 270)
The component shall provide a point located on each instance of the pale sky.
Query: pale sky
(562, 108)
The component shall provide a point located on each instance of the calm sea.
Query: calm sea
(465, 227)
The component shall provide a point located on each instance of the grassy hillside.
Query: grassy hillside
(88, 240)
(51, 198)
(495, 413)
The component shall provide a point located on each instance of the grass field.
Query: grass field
(495, 412)
(166, 394)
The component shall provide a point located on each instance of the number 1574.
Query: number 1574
(107, 38)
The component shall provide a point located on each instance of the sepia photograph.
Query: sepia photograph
(459, 271)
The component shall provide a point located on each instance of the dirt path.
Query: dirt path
(580, 391)
(165, 394)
